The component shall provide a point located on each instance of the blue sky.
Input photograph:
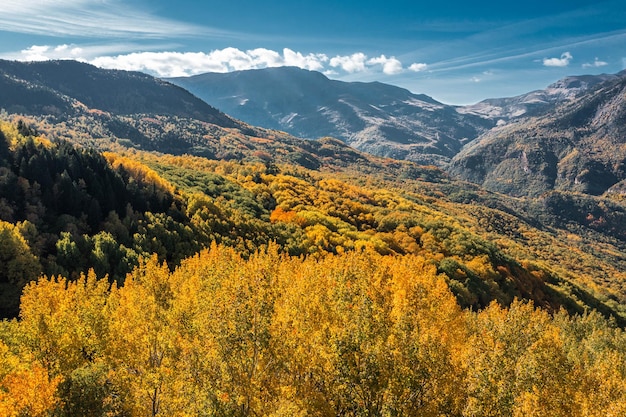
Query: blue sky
(458, 52)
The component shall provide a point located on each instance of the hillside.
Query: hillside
(578, 147)
(264, 287)
(192, 267)
(376, 118)
(175, 205)
(59, 87)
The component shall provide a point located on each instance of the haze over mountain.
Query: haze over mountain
(373, 117)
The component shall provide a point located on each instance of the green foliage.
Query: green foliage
(18, 266)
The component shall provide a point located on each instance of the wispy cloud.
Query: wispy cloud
(499, 42)
(563, 61)
(92, 19)
(595, 64)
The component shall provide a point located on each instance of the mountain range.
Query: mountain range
(505, 144)
(373, 117)
(107, 109)
(566, 161)
(568, 137)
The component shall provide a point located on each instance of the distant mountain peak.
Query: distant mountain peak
(378, 118)
(578, 145)
(536, 102)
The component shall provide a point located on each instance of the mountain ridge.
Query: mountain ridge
(537, 102)
(377, 118)
(126, 92)
(578, 147)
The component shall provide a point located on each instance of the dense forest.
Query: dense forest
(352, 334)
(154, 284)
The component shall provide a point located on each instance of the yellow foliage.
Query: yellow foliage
(277, 335)
(139, 171)
(28, 393)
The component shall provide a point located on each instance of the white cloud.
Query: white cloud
(351, 64)
(417, 67)
(46, 52)
(595, 64)
(89, 19)
(390, 65)
(173, 64)
(475, 80)
(311, 61)
(180, 64)
(563, 61)
(36, 53)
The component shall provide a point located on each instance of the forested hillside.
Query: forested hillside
(79, 209)
(351, 334)
(240, 271)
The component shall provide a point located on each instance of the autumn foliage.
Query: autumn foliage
(352, 334)
(197, 287)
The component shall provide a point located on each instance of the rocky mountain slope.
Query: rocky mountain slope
(373, 117)
(536, 102)
(579, 146)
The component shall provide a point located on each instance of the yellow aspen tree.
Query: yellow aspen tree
(26, 388)
(65, 326)
(142, 346)
(429, 333)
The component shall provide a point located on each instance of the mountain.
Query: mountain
(59, 87)
(573, 144)
(108, 108)
(536, 102)
(578, 146)
(373, 117)
(272, 275)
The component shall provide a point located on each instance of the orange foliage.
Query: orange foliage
(28, 392)
(280, 215)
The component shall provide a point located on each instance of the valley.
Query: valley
(405, 258)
